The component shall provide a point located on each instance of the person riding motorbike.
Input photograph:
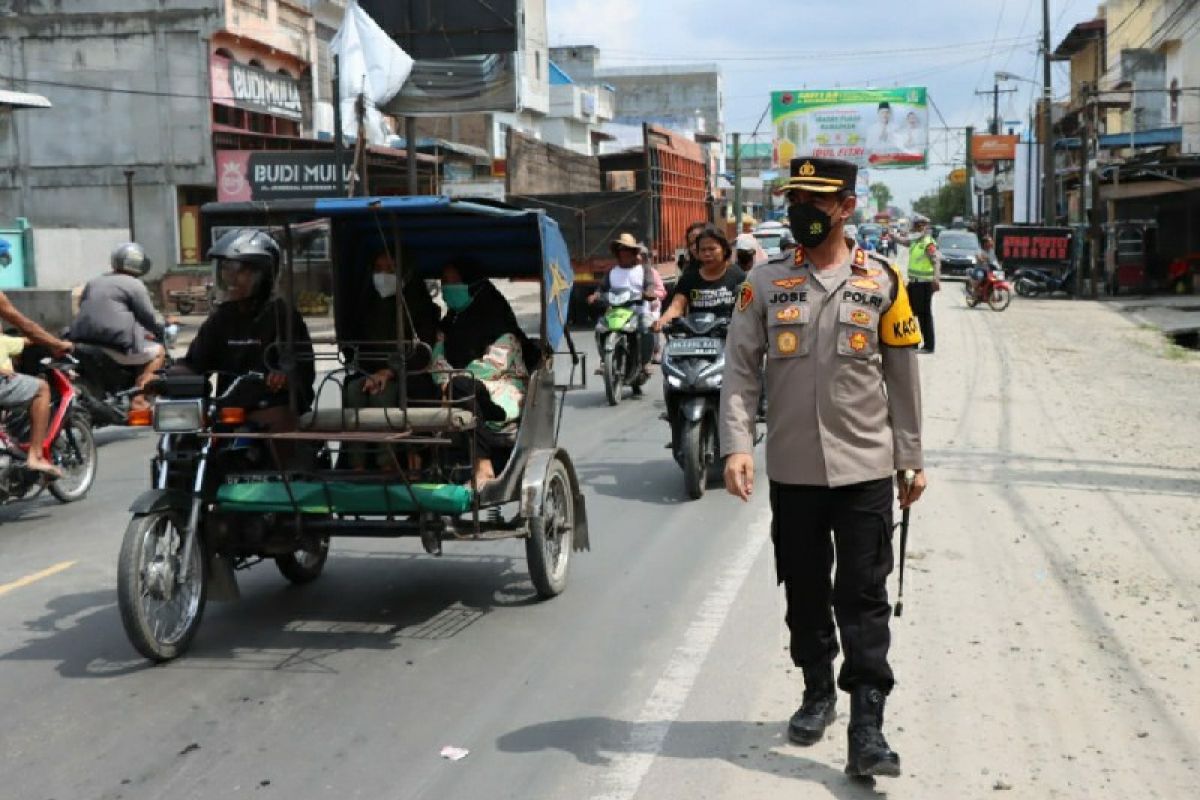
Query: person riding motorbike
(19, 391)
(117, 315)
(629, 273)
(746, 249)
(985, 265)
(713, 287)
(248, 331)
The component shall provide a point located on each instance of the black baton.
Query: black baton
(909, 475)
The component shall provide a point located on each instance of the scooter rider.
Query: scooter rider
(248, 331)
(117, 315)
(629, 273)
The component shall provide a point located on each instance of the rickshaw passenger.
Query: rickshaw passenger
(376, 387)
(480, 334)
(237, 336)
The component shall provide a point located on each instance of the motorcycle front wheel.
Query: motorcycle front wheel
(614, 373)
(970, 296)
(692, 443)
(999, 298)
(160, 611)
(74, 452)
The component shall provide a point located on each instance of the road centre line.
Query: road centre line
(20, 583)
(628, 768)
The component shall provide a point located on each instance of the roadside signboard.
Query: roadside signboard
(244, 175)
(986, 147)
(253, 89)
(958, 177)
(1033, 246)
(882, 128)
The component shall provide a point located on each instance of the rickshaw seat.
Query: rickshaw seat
(387, 420)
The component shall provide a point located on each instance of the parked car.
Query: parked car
(958, 250)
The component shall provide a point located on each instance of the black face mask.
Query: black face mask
(810, 225)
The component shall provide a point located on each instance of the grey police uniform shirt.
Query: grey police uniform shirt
(842, 383)
(116, 311)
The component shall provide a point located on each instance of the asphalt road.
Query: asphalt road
(1051, 620)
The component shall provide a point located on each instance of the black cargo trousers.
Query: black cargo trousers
(812, 524)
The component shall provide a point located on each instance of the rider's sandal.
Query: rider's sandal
(49, 472)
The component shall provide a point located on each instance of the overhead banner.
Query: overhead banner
(988, 147)
(245, 175)
(882, 128)
(253, 89)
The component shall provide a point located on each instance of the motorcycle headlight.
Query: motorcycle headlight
(179, 416)
(674, 381)
(711, 381)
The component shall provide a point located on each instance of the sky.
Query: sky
(952, 48)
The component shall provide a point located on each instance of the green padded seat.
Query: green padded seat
(315, 497)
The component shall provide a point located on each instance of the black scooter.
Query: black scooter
(693, 367)
(1030, 282)
(106, 387)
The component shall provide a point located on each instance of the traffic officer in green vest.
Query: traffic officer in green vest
(924, 277)
(843, 427)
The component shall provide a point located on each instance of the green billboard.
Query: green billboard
(879, 128)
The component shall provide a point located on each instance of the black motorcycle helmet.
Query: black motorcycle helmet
(249, 248)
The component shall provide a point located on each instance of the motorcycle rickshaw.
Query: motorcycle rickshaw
(227, 496)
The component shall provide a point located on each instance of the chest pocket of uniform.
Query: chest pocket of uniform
(788, 330)
(857, 331)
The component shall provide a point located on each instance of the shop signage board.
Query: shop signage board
(245, 175)
(253, 89)
(880, 128)
(987, 147)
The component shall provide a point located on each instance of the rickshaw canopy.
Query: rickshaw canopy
(504, 242)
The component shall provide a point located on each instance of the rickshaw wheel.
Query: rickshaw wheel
(548, 548)
(304, 566)
(160, 627)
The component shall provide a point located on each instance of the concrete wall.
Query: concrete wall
(681, 98)
(70, 257)
(129, 91)
(50, 308)
(536, 167)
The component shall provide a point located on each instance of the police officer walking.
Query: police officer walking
(843, 422)
(924, 277)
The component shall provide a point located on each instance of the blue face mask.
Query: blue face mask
(456, 295)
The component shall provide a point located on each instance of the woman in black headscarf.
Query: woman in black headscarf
(479, 334)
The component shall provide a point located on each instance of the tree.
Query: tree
(882, 195)
(944, 204)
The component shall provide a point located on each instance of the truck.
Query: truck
(654, 192)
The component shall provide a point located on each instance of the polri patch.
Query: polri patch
(860, 317)
(858, 341)
(745, 296)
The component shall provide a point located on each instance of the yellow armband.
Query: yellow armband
(898, 327)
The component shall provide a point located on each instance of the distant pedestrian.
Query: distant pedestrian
(924, 278)
(843, 419)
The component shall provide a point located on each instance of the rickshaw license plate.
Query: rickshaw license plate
(694, 347)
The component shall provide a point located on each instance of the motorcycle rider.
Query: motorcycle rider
(248, 331)
(25, 391)
(629, 273)
(746, 248)
(985, 263)
(117, 315)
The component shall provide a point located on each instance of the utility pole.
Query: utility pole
(737, 183)
(129, 203)
(970, 193)
(338, 177)
(1048, 194)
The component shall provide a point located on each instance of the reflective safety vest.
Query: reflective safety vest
(920, 265)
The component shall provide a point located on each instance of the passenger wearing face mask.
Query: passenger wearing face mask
(843, 428)
(376, 386)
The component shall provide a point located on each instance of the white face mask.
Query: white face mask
(385, 283)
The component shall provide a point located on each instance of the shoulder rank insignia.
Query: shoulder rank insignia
(864, 283)
(791, 283)
(745, 296)
(860, 258)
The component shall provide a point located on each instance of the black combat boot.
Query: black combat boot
(869, 752)
(818, 708)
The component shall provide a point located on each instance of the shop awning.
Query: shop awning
(11, 99)
(1158, 137)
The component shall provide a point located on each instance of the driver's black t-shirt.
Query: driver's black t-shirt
(716, 297)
